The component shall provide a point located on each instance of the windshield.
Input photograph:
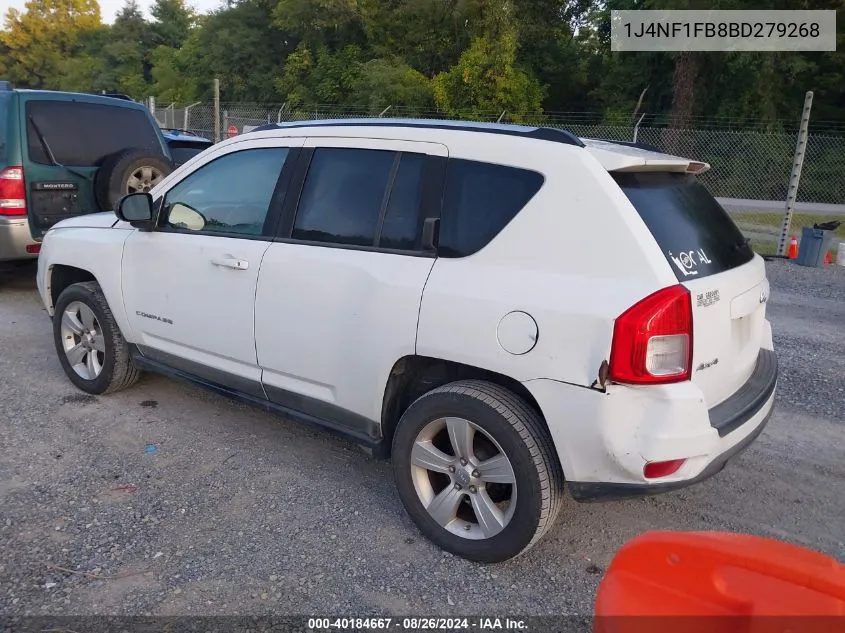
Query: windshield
(697, 236)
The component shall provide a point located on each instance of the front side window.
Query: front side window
(231, 194)
(84, 134)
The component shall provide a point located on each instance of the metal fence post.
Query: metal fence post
(216, 110)
(637, 126)
(226, 122)
(152, 105)
(171, 118)
(797, 163)
(185, 116)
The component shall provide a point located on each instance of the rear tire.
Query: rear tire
(503, 428)
(90, 346)
(129, 171)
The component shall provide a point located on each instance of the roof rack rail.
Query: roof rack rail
(555, 135)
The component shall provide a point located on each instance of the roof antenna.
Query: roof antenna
(501, 116)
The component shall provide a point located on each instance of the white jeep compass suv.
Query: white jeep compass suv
(505, 311)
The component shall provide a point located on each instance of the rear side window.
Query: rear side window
(399, 229)
(361, 197)
(84, 134)
(343, 196)
(479, 201)
(697, 236)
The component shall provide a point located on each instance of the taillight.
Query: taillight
(12, 192)
(652, 340)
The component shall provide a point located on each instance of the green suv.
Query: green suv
(64, 154)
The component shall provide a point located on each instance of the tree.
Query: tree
(85, 70)
(487, 78)
(324, 77)
(333, 24)
(428, 35)
(127, 53)
(384, 82)
(172, 80)
(242, 48)
(39, 41)
(173, 23)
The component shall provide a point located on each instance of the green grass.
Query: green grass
(764, 229)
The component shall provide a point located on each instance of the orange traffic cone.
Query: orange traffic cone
(827, 259)
(792, 253)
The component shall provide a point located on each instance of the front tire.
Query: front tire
(476, 470)
(90, 346)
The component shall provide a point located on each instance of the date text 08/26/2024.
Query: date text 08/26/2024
(417, 624)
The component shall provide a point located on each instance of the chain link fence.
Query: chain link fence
(749, 162)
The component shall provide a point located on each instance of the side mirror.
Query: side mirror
(137, 209)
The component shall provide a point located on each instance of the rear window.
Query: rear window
(697, 236)
(183, 152)
(84, 134)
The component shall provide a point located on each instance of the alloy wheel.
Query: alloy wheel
(83, 341)
(463, 478)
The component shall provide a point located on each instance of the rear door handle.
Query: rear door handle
(231, 262)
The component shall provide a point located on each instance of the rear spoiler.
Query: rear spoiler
(621, 156)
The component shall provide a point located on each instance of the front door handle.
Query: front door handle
(231, 262)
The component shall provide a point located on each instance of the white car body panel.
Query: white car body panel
(213, 324)
(328, 323)
(303, 345)
(549, 270)
(96, 248)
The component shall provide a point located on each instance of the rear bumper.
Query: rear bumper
(14, 238)
(588, 491)
(604, 440)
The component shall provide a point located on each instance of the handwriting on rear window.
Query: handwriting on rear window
(688, 261)
(706, 299)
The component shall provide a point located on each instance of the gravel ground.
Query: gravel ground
(237, 512)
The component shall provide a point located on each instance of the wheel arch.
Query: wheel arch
(61, 276)
(62, 272)
(413, 375)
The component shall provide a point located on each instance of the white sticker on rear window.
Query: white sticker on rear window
(688, 261)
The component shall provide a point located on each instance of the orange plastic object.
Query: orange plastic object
(715, 581)
(792, 253)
